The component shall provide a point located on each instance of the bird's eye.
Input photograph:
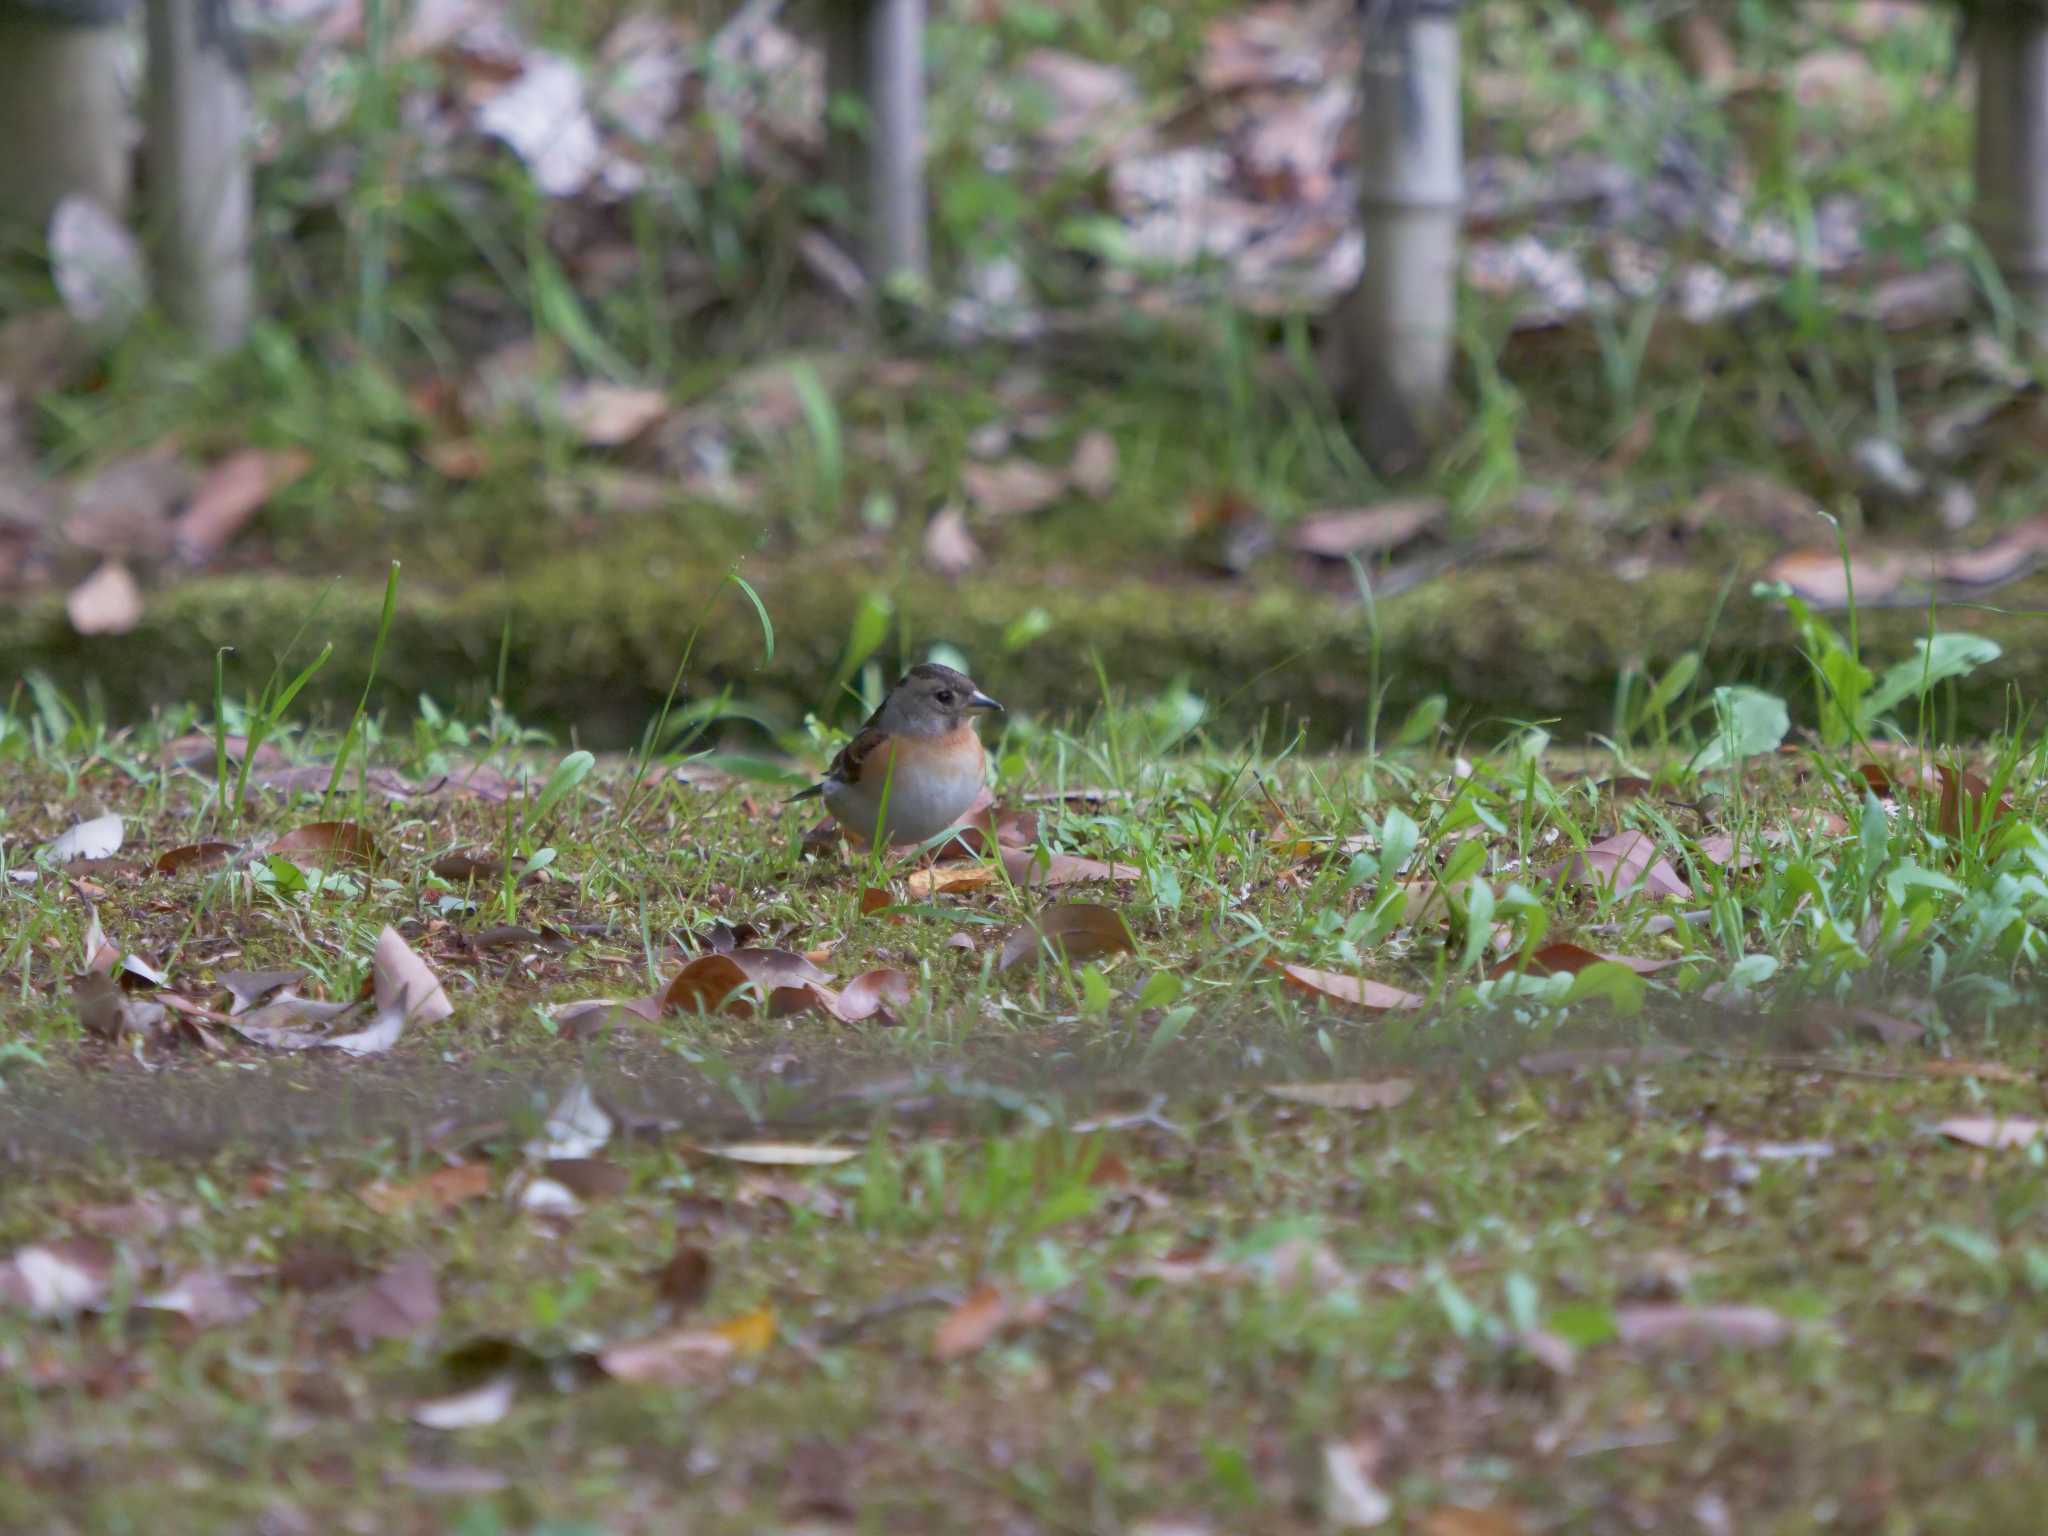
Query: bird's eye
(944, 696)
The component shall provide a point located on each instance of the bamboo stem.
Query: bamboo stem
(875, 55)
(2011, 45)
(199, 184)
(1399, 327)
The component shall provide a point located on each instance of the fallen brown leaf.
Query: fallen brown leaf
(108, 602)
(469, 865)
(680, 1356)
(1626, 864)
(1818, 576)
(1457, 1520)
(685, 1279)
(343, 841)
(1011, 488)
(204, 1298)
(402, 1301)
(441, 1190)
(1963, 801)
(1982, 1071)
(949, 548)
(1078, 930)
(584, 1020)
(1360, 1094)
(59, 1278)
(984, 1313)
(1719, 848)
(1373, 996)
(1363, 530)
(588, 1178)
(1093, 469)
(1626, 1058)
(940, 878)
(1993, 1133)
(404, 984)
(782, 979)
(98, 838)
(482, 1405)
(610, 415)
(1023, 866)
(1695, 1328)
(781, 1154)
(1562, 955)
(191, 856)
(232, 492)
(882, 991)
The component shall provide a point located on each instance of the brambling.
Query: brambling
(916, 767)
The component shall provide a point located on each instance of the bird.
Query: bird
(916, 767)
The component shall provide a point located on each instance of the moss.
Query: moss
(595, 638)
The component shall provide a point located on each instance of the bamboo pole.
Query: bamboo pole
(63, 118)
(874, 53)
(2011, 46)
(1398, 330)
(198, 183)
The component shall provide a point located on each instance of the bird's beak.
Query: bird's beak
(983, 701)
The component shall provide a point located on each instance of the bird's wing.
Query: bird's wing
(852, 760)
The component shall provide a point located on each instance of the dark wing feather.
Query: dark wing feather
(852, 758)
(846, 767)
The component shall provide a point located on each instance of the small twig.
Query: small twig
(1806, 1064)
(903, 1301)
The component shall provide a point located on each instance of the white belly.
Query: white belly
(919, 805)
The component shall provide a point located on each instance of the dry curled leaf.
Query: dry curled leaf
(1352, 1501)
(1373, 996)
(610, 415)
(1621, 1059)
(57, 1279)
(1012, 488)
(940, 878)
(1459, 1520)
(441, 1190)
(99, 838)
(878, 992)
(1992, 1132)
(685, 1279)
(680, 1356)
(781, 1154)
(741, 980)
(972, 1324)
(1966, 802)
(402, 1301)
(192, 856)
(481, 1405)
(1561, 955)
(1093, 469)
(1360, 1094)
(1719, 848)
(404, 984)
(1026, 868)
(344, 842)
(1077, 930)
(1363, 530)
(232, 493)
(1626, 864)
(949, 548)
(1694, 1328)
